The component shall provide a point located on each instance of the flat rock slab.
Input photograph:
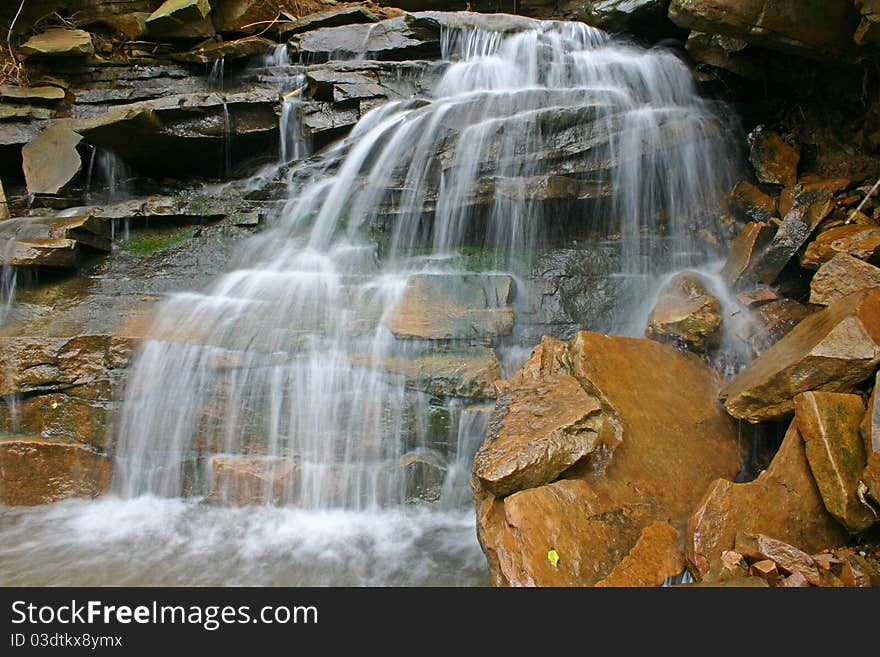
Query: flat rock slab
(50, 241)
(50, 95)
(229, 50)
(744, 250)
(38, 471)
(783, 502)
(51, 161)
(829, 423)
(59, 42)
(331, 18)
(834, 349)
(184, 19)
(841, 276)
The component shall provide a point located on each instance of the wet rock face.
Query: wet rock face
(833, 350)
(440, 307)
(39, 471)
(783, 502)
(242, 480)
(638, 472)
(686, 313)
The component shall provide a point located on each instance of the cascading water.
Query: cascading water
(288, 367)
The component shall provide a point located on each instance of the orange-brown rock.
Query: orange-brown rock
(686, 313)
(245, 480)
(783, 502)
(752, 204)
(859, 241)
(841, 276)
(39, 471)
(58, 416)
(766, 570)
(787, 557)
(655, 558)
(829, 423)
(750, 242)
(444, 307)
(774, 160)
(540, 428)
(663, 440)
(834, 349)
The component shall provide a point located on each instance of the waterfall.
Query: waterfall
(290, 359)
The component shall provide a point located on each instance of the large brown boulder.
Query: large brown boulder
(686, 313)
(783, 502)
(662, 440)
(841, 276)
(834, 349)
(829, 423)
(39, 471)
(808, 27)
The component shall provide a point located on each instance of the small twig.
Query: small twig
(864, 200)
(267, 28)
(9, 34)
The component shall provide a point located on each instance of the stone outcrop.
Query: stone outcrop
(39, 471)
(686, 313)
(639, 472)
(752, 204)
(829, 423)
(783, 502)
(841, 276)
(834, 349)
(770, 322)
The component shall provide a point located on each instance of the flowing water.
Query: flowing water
(287, 368)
